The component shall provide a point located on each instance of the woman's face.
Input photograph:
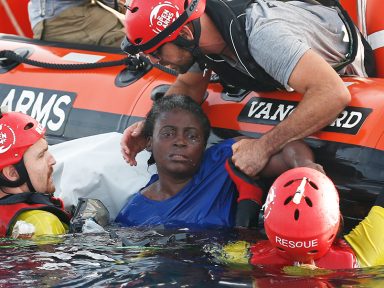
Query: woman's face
(177, 143)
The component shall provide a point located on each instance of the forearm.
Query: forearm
(315, 111)
(297, 154)
(193, 84)
(324, 97)
(294, 154)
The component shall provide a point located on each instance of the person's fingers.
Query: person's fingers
(123, 153)
(130, 142)
(124, 140)
(248, 158)
(137, 128)
(235, 147)
(126, 137)
(132, 162)
(132, 158)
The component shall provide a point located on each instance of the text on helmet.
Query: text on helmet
(296, 244)
(162, 16)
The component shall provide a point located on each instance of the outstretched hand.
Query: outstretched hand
(132, 142)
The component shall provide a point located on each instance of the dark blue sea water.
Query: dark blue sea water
(153, 258)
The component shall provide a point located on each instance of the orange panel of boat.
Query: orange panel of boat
(257, 112)
(95, 88)
(365, 111)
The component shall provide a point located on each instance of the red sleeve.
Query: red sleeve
(248, 188)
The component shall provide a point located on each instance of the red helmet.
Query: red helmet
(151, 23)
(18, 132)
(301, 214)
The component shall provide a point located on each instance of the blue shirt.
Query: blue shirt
(208, 200)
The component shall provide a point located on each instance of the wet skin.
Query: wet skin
(39, 163)
(178, 144)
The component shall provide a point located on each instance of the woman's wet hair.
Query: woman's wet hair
(178, 102)
(170, 103)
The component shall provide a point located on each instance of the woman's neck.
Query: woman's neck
(164, 188)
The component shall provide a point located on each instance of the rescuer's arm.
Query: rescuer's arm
(193, 83)
(324, 97)
(294, 154)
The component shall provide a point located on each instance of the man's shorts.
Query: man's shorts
(85, 24)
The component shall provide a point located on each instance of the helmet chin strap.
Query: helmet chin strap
(22, 170)
(193, 45)
(23, 178)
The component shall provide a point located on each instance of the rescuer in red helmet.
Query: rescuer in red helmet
(258, 45)
(26, 184)
(302, 218)
(302, 221)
